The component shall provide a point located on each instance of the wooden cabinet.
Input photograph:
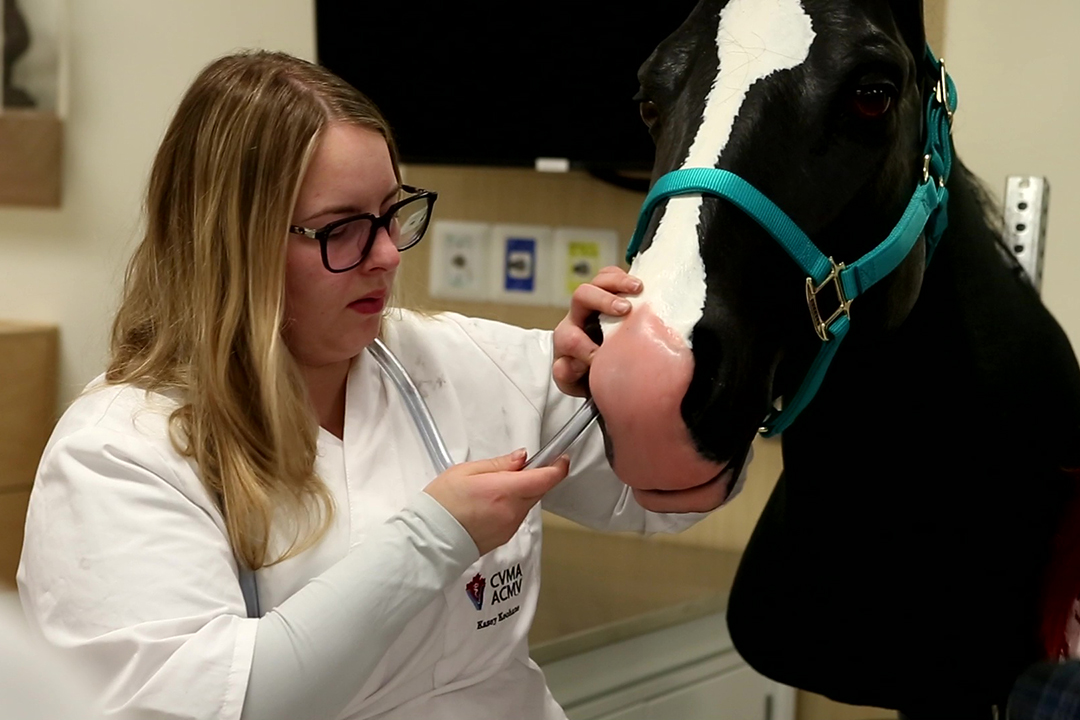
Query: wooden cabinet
(28, 388)
(689, 671)
(735, 695)
(633, 628)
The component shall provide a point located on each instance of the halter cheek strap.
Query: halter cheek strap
(927, 211)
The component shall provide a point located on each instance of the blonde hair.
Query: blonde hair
(203, 302)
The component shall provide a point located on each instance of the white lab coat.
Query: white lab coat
(126, 561)
(35, 681)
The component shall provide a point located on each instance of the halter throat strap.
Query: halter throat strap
(926, 213)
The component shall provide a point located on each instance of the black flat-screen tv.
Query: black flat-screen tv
(502, 83)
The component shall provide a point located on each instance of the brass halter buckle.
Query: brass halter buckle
(821, 327)
(941, 90)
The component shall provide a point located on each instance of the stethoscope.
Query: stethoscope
(429, 431)
(433, 442)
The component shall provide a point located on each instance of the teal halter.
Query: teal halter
(927, 210)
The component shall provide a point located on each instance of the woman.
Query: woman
(241, 427)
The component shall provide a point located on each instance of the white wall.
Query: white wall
(1016, 67)
(130, 61)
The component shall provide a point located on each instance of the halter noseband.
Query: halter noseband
(926, 210)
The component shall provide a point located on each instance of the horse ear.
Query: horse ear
(909, 19)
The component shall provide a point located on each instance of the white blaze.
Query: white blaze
(754, 39)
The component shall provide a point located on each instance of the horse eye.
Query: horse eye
(650, 113)
(872, 101)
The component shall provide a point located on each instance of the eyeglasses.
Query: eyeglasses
(346, 243)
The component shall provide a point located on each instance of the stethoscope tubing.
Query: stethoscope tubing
(429, 431)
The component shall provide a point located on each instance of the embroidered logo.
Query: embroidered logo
(475, 590)
(506, 584)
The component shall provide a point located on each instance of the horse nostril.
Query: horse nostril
(592, 328)
(650, 112)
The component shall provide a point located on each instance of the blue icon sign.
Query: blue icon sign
(520, 266)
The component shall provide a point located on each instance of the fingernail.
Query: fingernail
(621, 306)
(518, 454)
(635, 284)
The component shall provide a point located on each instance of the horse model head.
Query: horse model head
(803, 153)
(819, 105)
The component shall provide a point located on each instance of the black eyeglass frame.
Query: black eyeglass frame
(377, 221)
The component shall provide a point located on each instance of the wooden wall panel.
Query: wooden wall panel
(28, 390)
(512, 195)
(12, 520)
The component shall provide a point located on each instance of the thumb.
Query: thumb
(511, 461)
(534, 483)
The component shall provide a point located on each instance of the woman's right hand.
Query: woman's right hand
(490, 498)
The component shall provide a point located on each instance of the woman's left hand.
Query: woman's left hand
(574, 349)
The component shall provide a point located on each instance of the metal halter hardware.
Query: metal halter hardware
(925, 216)
(821, 326)
(941, 89)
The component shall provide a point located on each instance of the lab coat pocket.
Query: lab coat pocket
(490, 607)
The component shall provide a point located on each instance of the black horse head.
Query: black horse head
(818, 104)
(901, 557)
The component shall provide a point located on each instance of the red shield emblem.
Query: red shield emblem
(475, 590)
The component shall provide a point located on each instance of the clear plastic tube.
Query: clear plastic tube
(418, 409)
(567, 435)
(429, 431)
